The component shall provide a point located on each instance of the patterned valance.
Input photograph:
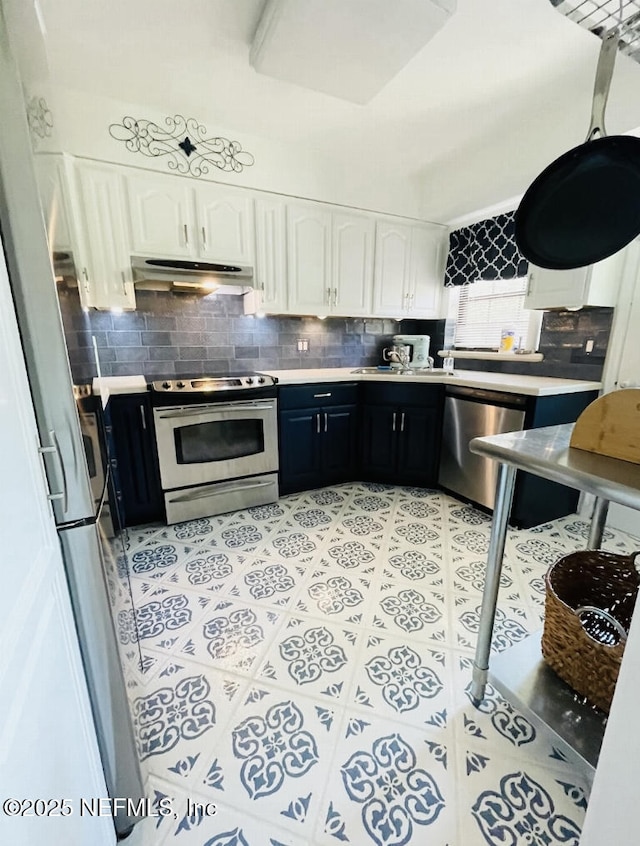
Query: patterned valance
(486, 250)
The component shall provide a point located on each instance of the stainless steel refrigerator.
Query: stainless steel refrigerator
(33, 286)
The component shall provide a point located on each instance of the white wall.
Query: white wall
(83, 121)
(612, 815)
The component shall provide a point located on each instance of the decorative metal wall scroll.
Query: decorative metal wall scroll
(39, 118)
(183, 143)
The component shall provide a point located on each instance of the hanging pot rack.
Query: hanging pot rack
(601, 16)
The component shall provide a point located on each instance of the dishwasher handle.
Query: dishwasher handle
(488, 397)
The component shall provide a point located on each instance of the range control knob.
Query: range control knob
(166, 385)
(179, 384)
(249, 381)
(260, 379)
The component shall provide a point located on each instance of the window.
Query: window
(482, 309)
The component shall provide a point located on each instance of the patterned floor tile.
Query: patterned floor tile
(389, 783)
(165, 805)
(413, 567)
(417, 534)
(269, 582)
(183, 712)
(196, 532)
(301, 673)
(316, 658)
(401, 680)
(162, 619)
(242, 534)
(291, 543)
(409, 611)
(134, 536)
(157, 557)
(510, 800)
(465, 539)
(371, 503)
(199, 819)
(512, 623)
(331, 596)
(496, 726)
(347, 555)
(273, 760)
(208, 570)
(468, 574)
(231, 636)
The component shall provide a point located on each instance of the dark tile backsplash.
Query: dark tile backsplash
(183, 334)
(562, 342)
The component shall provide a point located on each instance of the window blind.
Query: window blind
(485, 308)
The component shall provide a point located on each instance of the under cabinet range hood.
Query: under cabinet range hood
(166, 274)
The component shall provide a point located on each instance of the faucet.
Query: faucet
(403, 358)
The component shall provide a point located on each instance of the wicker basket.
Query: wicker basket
(590, 596)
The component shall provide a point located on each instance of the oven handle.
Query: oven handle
(197, 410)
(202, 493)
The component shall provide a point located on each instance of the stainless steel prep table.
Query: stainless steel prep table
(519, 673)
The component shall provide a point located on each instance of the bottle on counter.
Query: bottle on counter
(507, 340)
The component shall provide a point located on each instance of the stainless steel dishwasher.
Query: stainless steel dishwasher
(471, 413)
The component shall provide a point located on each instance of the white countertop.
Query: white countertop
(538, 386)
(104, 386)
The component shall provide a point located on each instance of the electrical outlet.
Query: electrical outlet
(303, 344)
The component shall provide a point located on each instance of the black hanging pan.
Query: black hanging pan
(585, 206)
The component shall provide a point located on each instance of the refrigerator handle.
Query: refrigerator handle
(55, 450)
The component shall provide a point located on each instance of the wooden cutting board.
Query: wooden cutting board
(611, 426)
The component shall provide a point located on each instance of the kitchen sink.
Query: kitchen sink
(374, 371)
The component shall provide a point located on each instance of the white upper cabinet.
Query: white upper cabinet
(311, 289)
(225, 224)
(352, 244)
(426, 271)
(391, 274)
(105, 269)
(175, 217)
(596, 285)
(308, 257)
(409, 270)
(271, 254)
(51, 181)
(161, 215)
(330, 260)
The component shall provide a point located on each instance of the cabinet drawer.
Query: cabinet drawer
(393, 393)
(314, 396)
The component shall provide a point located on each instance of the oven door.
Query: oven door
(215, 442)
(93, 452)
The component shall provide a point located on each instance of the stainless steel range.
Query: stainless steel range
(217, 442)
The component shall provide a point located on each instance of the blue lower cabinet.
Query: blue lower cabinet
(537, 500)
(317, 447)
(400, 444)
(133, 460)
(318, 438)
(401, 433)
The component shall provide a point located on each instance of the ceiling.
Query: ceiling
(502, 89)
